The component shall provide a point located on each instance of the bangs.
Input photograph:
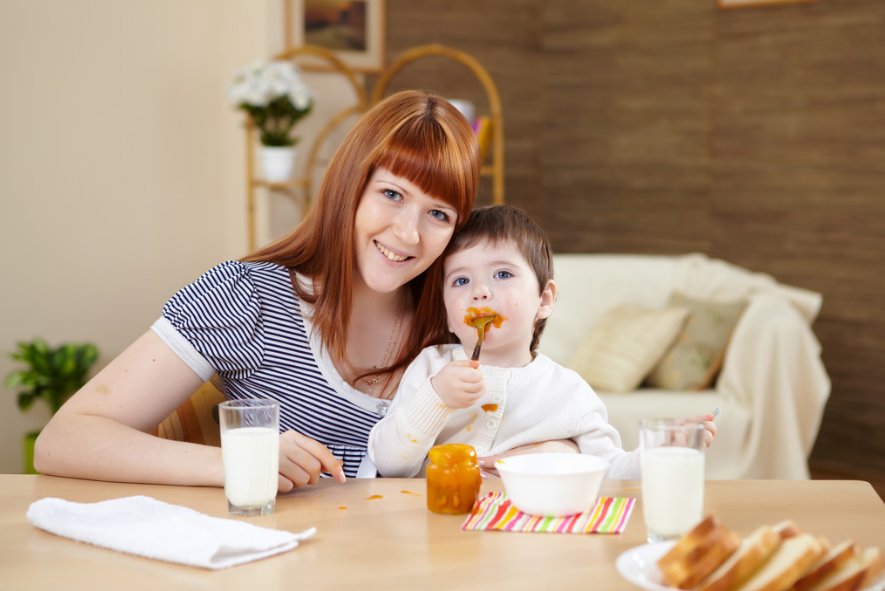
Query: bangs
(420, 152)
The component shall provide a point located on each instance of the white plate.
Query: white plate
(638, 565)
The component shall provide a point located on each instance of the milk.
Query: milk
(672, 490)
(251, 464)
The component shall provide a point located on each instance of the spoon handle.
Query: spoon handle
(475, 356)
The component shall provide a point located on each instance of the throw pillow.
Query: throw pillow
(625, 344)
(694, 360)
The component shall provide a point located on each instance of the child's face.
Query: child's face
(496, 276)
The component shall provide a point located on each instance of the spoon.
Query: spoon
(481, 323)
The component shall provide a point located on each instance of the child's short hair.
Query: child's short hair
(506, 223)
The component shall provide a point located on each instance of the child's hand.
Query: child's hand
(459, 384)
(709, 428)
(680, 437)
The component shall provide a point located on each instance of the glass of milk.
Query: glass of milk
(672, 460)
(250, 450)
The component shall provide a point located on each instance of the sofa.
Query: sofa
(771, 387)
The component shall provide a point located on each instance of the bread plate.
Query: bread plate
(639, 566)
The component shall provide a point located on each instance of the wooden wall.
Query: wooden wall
(799, 186)
(754, 135)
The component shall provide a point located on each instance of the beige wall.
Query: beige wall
(121, 171)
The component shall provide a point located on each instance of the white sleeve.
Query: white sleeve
(398, 443)
(597, 437)
(624, 466)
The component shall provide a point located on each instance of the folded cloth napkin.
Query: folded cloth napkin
(148, 527)
(495, 512)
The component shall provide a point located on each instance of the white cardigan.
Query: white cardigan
(542, 401)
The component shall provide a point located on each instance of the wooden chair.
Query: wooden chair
(196, 420)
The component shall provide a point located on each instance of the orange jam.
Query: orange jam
(453, 479)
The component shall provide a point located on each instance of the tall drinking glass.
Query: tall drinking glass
(672, 460)
(250, 450)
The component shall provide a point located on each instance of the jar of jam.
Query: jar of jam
(453, 478)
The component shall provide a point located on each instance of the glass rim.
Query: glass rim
(670, 424)
(249, 403)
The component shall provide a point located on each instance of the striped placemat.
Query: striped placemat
(494, 512)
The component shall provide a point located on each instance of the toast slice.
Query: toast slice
(858, 572)
(690, 541)
(786, 529)
(689, 570)
(749, 557)
(832, 561)
(787, 564)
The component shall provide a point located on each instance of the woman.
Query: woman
(324, 320)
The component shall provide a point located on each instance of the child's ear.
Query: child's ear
(548, 297)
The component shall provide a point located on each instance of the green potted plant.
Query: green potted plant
(51, 374)
(276, 98)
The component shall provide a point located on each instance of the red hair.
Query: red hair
(415, 135)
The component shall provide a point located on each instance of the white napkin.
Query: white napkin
(148, 527)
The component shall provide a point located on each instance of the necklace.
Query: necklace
(372, 381)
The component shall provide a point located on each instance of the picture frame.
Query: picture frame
(353, 30)
(726, 4)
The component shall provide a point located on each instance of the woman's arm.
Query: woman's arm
(101, 433)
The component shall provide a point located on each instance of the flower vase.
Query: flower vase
(30, 439)
(277, 163)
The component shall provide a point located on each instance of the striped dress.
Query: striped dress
(244, 322)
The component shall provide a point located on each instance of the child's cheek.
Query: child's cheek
(456, 323)
(509, 309)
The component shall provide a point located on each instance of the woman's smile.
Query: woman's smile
(390, 254)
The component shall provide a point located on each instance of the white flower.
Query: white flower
(258, 88)
(300, 96)
(259, 83)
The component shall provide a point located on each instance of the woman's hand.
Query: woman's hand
(302, 459)
(459, 384)
(487, 463)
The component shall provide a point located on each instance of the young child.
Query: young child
(500, 263)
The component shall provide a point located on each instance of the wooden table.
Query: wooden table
(393, 541)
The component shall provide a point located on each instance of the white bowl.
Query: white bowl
(552, 484)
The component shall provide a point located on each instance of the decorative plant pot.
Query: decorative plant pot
(28, 449)
(277, 163)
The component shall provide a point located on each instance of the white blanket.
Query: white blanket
(147, 527)
(772, 370)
